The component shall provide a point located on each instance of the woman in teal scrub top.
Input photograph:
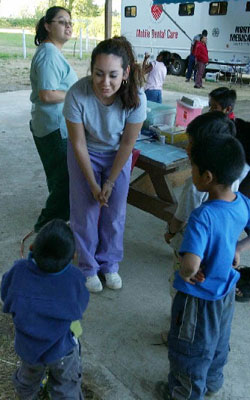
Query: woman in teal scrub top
(51, 76)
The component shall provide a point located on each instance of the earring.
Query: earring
(125, 82)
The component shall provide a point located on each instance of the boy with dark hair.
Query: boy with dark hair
(213, 123)
(223, 99)
(45, 293)
(202, 309)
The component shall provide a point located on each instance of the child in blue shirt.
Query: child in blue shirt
(45, 293)
(203, 307)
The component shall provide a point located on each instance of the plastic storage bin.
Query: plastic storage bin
(186, 113)
(212, 76)
(159, 114)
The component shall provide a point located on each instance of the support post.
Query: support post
(108, 19)
(24, 45)
(80, 44)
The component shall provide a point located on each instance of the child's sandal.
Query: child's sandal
(242, 293)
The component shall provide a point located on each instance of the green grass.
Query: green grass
(16, 40)
(11, 46)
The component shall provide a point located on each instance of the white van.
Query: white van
(153, 28)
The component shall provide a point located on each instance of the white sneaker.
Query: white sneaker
(93, 284)
(113, 280)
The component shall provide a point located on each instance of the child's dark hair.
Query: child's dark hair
(224, 96)
(41, 32)
(166, 57)
(54, 246)
(121, 47)
(202, 37)
(204, 33)
(211, 123)
(222, 155)
(243, 135)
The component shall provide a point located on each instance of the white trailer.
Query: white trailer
(172, 25)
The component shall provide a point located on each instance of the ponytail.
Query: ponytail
(41, 31)
(121, 47)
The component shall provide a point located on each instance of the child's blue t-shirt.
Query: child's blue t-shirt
(212, 233)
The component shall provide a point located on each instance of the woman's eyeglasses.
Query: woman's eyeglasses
(63, 22)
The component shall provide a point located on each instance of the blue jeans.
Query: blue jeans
(64, 382)
(154, 95)
(198, 344)
(191, 65)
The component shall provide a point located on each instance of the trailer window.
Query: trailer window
(218, 8)
(130, 11)
(186, 9)
(248, 6)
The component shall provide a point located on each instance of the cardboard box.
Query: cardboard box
(172, 134)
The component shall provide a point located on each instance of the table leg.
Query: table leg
(153, 193)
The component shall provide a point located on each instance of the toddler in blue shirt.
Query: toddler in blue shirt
(45, 293)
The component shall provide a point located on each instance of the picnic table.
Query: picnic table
(237, 68)
(152, 191)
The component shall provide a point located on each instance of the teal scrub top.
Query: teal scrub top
(49, 71)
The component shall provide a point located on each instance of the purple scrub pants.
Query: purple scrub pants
(98, 231)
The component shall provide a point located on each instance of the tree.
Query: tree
(79, 8)
(85, 8)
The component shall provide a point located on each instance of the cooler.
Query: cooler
(159, 114)
(186, 113)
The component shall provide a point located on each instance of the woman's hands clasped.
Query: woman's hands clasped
(102, 195)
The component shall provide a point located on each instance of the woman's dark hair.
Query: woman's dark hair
(41, 32)
(224, 96)
(54, 246)
(212, 123)
(222, 155)
(119, 46)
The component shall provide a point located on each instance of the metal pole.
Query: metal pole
(108, 19)
(178, 26)
(24, 45)
(80, 50)
(87, 39)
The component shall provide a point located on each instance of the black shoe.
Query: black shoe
(196, 87)
(187, 80)
(162, 391)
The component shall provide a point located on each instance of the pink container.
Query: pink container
(185, 113)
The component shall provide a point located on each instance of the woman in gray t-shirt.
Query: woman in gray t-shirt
(104, 114)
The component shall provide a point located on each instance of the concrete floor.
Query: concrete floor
(122, 350)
